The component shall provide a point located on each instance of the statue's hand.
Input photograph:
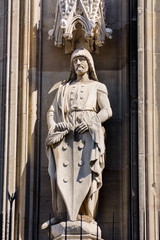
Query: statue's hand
(82, 127)
(62, 126)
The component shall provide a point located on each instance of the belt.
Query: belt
(86, 110)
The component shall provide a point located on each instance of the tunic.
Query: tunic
(76, 161)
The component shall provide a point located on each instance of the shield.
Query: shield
(73, 170)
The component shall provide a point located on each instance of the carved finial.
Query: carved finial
(83, 18)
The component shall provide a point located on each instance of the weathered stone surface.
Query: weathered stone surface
(74, 230)
(79, 24)
(75, 140)
(40, 66)
(74, 237)
(148, 94)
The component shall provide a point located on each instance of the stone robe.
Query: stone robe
(76, 160)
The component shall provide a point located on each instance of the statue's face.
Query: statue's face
(80, 65)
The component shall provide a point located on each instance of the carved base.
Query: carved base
(76, 230)
(74, 237)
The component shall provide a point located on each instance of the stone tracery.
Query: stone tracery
(87, 13)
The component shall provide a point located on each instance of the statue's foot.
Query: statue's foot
(85, 218)
(52, 221)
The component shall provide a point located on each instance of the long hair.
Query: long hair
(82, 52)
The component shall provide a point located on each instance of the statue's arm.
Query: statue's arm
(103, 103)
(50, 118)
(53, 117)
(51, 121)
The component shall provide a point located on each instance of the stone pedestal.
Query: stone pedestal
(76, 230)
(73, 237)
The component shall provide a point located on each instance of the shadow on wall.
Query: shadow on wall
(48, 66)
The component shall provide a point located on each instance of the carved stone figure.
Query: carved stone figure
(75, 141)
(86, 13)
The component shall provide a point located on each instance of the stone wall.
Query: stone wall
(112, 69)
(30, 66)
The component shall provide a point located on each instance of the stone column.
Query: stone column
(20, 83)
(11, 108)
(149, 109)
(3, 58)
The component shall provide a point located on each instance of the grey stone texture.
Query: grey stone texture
(30, 66)
(76, 230)
(34, 65)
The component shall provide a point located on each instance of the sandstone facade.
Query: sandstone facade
(30, 65)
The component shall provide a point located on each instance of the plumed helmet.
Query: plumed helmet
(82, 52)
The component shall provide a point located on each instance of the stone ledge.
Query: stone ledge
(76, 230)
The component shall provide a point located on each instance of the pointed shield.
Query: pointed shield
(73, 171)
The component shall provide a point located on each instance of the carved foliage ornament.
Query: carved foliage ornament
(88, 14)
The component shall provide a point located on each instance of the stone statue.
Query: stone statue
(75, 141)
(69, 15)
